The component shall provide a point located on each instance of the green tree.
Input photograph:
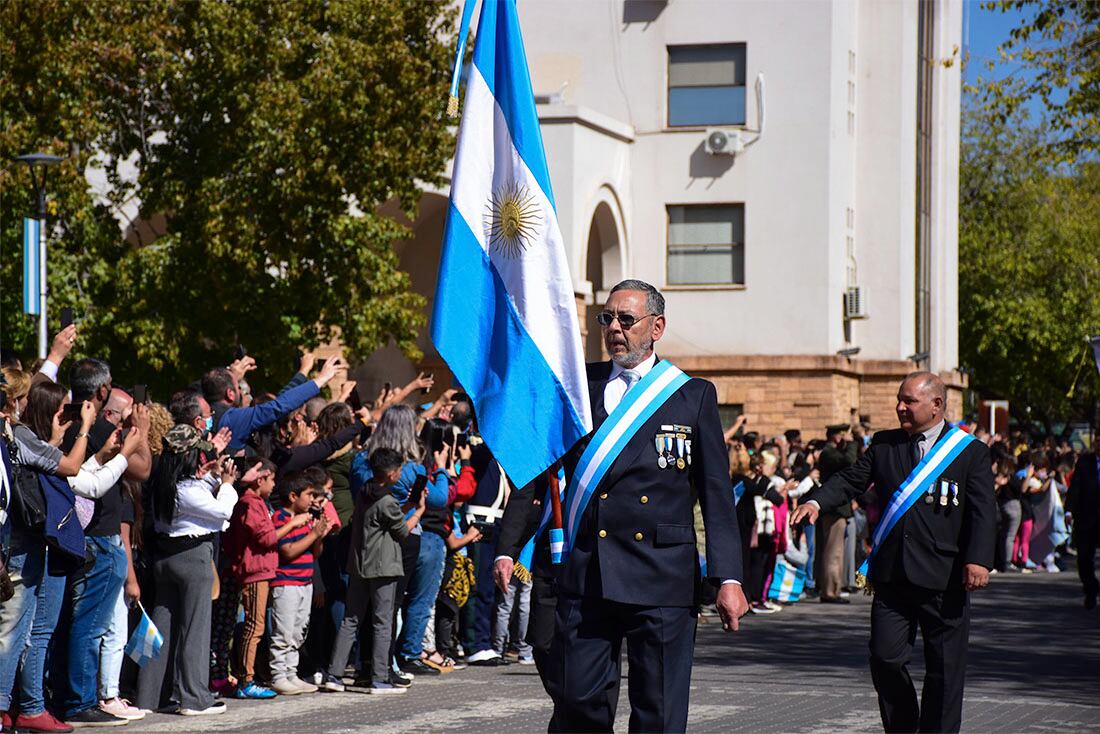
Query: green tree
(1057, 48)
(266, 138)
(1029, 270)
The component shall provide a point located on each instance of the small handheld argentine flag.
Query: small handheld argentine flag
(145, 643)
(788, 582)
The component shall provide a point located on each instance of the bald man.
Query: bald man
(932, 547)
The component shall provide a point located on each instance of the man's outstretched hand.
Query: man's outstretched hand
(732, 605)
(805, 511)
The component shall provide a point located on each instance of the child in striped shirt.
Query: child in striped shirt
(292, 587)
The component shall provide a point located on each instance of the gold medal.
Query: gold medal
(680, 464)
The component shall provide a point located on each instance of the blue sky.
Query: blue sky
(983, 31)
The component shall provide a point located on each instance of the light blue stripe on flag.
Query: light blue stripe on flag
(504, 317)
(32, 231)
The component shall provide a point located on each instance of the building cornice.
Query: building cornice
(559, 114)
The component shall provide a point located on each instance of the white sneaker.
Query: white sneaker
(218, 707)
(318, 678)
(121, 708)
(482, 655)
(285, 687)
(773, 606)
(526, 660)
(302, 685)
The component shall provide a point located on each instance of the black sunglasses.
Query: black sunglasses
(604, 318)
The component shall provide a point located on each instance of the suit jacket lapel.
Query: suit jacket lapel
(595, 396)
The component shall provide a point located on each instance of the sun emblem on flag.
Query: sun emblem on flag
(512, 220)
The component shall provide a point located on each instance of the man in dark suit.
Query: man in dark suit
(839, 453)
(633, 571)
(1083, 501)
(940, 550)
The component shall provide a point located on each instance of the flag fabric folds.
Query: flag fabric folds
(145, 643)
(788, 582)
(504, 317)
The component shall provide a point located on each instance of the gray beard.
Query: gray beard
(633, 358)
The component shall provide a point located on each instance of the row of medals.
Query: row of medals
(673, 449)
(945, 487)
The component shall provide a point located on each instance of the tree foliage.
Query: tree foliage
(1029, 270)
(265, 137)
(1057, 48)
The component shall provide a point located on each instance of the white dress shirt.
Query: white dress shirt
(615, 388)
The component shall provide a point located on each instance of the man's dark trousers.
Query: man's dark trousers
(583, 665)
(1085, 540)
(944, 619)
(481, 635)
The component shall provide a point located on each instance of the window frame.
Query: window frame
(668, 285)
(668, 86)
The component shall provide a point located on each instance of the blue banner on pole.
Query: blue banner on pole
(32, 232)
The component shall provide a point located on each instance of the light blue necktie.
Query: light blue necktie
(630, 377)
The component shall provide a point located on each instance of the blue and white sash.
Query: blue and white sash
(637, 406)
(916, 484)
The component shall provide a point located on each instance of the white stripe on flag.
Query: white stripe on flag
(539, 279)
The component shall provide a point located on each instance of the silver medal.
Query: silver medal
(662, 461)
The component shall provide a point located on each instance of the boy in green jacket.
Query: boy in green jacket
(374, 564)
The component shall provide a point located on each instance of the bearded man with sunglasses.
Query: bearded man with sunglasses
(630, 568)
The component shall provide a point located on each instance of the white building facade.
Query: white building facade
(807, 272)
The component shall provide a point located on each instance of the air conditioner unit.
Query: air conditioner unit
(855, 303)
(724, 142)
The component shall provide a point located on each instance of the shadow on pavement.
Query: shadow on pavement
(1030, 636)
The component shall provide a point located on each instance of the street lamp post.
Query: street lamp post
(38, 163)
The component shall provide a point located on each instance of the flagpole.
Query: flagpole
(38, 163)
(555, 498)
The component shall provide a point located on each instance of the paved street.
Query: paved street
(1034, 667)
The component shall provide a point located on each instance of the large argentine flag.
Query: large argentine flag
(505, 318)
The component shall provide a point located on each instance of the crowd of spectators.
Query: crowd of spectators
(278, 544)
(307, 540)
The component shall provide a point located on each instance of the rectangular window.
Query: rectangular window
(706, 244)
(706, 85)
(729, 412)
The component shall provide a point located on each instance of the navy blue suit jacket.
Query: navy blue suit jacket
(646, 552)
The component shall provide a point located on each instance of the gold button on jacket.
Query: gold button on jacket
(638, 536)
(603, 533)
